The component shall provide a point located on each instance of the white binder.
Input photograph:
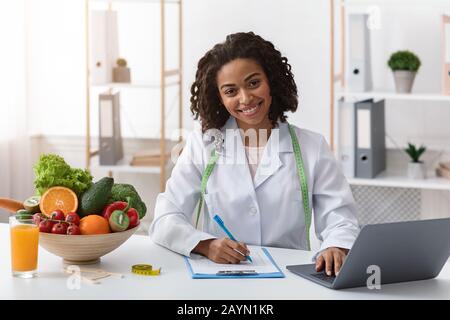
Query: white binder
(104, 45)
(346, 137)
(358, 64)
(446, 55)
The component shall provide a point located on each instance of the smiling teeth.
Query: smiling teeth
(250, 110)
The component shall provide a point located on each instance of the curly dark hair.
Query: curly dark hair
(205, 97)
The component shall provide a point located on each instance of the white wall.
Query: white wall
(299, 29)
(56, 66)
(15, 168)
(56, 56)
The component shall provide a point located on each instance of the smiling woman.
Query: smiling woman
(245, 84)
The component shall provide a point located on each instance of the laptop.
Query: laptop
(403, 251)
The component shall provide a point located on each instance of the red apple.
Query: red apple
(57, 215)
(73, 218)
(133, 217)
(73, 229)
(46, 226)
(59, 228)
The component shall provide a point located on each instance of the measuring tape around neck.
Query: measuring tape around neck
(301, 175)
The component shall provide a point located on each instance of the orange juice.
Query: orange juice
(24, 247)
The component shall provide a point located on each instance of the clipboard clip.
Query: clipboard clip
(236, 272)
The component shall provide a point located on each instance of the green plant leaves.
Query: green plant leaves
(404, 60)
(414, 152)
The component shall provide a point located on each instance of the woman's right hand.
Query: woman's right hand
(222, 250)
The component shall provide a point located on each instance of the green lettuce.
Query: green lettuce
(51, 170)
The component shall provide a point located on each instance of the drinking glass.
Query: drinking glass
(24, 247)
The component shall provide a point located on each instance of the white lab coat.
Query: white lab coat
(267, 211)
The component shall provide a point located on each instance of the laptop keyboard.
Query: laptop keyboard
(324, 277)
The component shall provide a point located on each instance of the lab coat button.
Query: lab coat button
(253, 211)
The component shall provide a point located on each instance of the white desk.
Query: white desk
(175, 282)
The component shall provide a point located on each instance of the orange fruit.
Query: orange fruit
(61, 198)
(94, 224)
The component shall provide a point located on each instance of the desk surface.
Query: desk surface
(175, 282)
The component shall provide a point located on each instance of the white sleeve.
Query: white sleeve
(172, 227)
(333, 204)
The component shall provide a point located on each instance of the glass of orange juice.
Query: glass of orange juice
(24, 247)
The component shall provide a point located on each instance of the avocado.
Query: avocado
(96, 197)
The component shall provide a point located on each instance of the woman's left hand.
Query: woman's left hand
(331, 259)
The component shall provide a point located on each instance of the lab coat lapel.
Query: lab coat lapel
(270, 163)
(234, 155)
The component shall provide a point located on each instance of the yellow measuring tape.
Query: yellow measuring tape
(145, 270)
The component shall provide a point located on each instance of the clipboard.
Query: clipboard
(237, 274)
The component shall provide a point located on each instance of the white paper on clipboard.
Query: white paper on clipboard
(261, 263)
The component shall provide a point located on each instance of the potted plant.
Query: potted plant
(416, 168)
(404, 65)
(121, 73)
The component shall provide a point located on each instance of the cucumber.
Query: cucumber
(23, 214)
(96, 197)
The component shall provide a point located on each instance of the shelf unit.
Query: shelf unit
(166, 80)
(386, 179)
(124, 166)
(396, 180)
(393, 96)
(116, 85)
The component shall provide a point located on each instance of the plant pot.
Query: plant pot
(404, 81)
(121, 74)
(416, 170)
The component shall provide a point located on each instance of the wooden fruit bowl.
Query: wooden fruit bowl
(75, 249)
(83, 249)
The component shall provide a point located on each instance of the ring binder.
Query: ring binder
(346, 137)
(104, 45)
(358, 73)
(370, 146)
(110, 138)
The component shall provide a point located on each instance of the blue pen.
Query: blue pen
(222, 225)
